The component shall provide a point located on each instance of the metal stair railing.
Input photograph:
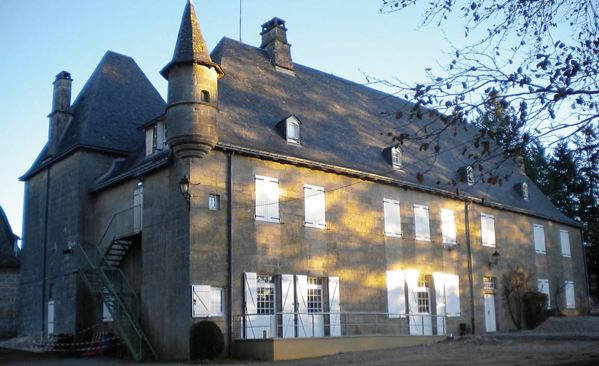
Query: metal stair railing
(122, 224)
(112, 286)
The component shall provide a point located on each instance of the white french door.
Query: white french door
(490, 325)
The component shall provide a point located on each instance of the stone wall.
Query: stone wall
(9, 304)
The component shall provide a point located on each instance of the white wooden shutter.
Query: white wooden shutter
(570, 296)
(250, 291)
(267, 198)
(391, 210)
(304, 326)
(314, 199)
(440, 299)
(564, 238)
(396, 296)
(149, 141)
(487, 230)
(415, 321)
(161, 139)
(448, 226)
(539, 238)
(50, 322)
(334, 307)
(421, 222)
(288, 305)
(543, 287)
(201, 299)
(452, 295)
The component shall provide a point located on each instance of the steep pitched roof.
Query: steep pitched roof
(116, 100)
(345, 124)
(190, 46)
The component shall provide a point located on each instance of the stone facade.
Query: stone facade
(9, 279)
(212, 239)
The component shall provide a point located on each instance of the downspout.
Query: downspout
(470, 281)
(586, 272)
(229, 251)
(45, 251)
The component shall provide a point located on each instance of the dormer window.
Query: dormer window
(293, 131)
(470, 175)
(396, 157)
(522, 189)
(155, 138)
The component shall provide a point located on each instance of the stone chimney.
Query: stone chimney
(61, 109)
(274, 41)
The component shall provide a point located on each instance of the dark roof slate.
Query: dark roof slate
(190, 46)
(116, 100)
(345, 124)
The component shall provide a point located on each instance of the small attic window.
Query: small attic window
(396, 157)
(522, 189)
(470, 175)
(205, 96)
(293, 131)
(155, 138)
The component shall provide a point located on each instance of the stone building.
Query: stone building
(9, 278)
(266, 197)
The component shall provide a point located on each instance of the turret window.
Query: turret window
(205, 96)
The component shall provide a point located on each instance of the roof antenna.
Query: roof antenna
(239, 20)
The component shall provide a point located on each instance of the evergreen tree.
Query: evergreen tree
(536, 165)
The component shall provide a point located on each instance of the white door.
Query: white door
(490, 325)
(309, 307)
(420, 318)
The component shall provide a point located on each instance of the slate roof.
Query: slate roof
(345, 124)
(114, 102)
(190, 46)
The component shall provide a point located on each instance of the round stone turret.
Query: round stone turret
(192, 92)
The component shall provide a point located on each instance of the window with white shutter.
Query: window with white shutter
(50, 316)
(570, 297)
(201, 300)
(315, 206)
(396, 297)
(392, 215)
(543, 287)
(539, 238)
(448, 226)
(421, 222)
(487, 230)
(564, 238)
(217, 305)
(267, 199)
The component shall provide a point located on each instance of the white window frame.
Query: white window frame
(392, 224)
(418, 231)
(448, 229)
(565, 244)
(396, 157)
(290, 123)
(470, 175)
(213, 202)
(485, 221)
(525, 192)
(570, 294)
(107, 306)
(539, 238)
(543, 287)
(268, 210)
(314, 195)
(217, 301)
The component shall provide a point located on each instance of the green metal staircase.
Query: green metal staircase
(99, 269)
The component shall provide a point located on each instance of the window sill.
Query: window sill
(422, 239)
(540, 252)
(277, 221)
(489, 245)
(391, 235)
(315, 226)
(566, 256)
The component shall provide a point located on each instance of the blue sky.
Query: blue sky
(39, 38)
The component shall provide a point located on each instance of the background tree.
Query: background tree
(542, 57)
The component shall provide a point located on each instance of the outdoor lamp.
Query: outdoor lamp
(494, 258)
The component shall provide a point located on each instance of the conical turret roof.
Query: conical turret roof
(190, 47)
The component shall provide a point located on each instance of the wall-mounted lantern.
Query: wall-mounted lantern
(184, 186)
(494, 258)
